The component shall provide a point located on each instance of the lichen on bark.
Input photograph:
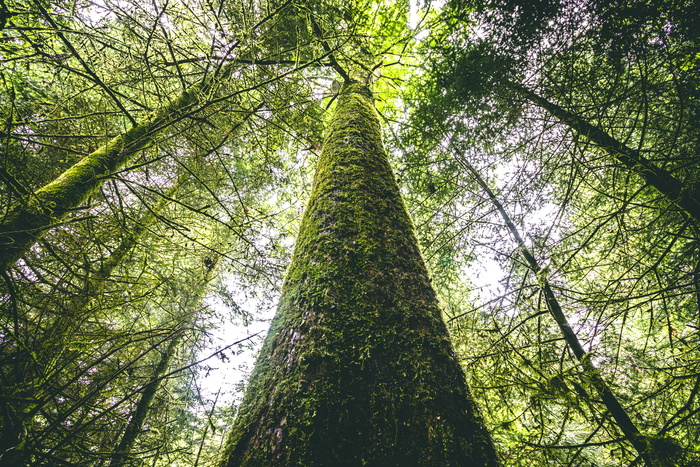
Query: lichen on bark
(357, 368)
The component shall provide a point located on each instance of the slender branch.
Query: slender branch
(15, 186)
(244, 61)
(89, 71)
(327, 48)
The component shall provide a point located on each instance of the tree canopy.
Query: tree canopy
(156, 158)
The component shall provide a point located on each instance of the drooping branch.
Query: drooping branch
(329, 51)
(45, 14)
(134, 426)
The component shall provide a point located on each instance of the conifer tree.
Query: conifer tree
(358, 368)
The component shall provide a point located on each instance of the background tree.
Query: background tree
(615, 248)
(89, 309)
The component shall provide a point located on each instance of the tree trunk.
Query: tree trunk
(54, 339)
(619, 414)
(27, 222)
(683, 196)
(121, 454)
(134, 426)
(358, 367)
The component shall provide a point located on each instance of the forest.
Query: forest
(475, 222)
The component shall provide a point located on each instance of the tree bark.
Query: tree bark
(27, 222)
(683, 196)
(358, 367)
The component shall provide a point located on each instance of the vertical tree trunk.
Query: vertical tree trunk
(121, 454)
(358, 368)
(134, 426)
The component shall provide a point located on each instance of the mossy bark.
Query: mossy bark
(27, 222)
(357, 368)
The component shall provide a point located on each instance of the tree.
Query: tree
(358, 367)
(599, 178)
(87, 312)
(645, 447)
(686, 197)
(123, 450)
(27, 221)
(657, 73)
(546, 151)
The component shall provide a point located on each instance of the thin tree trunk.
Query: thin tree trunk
(358, 367)
(14, 415)
(66, 322)
(685, 197)
(121, 454)
(623, 420)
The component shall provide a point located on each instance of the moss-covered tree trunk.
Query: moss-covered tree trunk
(358, 368)
(27, 222)
(29, 372)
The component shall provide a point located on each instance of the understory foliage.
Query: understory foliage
(538, 145)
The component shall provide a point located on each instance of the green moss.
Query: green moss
(357, 368)
(27, 222)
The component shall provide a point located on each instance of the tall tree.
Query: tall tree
(684, 195)
(644, 446)
(358, 368)
(579, 117)
(24, 223)
(123, 449)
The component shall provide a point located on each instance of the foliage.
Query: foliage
(193, 228)
(618, 252)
